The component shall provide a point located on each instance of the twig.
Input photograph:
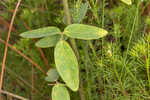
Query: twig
(13, 95)
(27, 58)
(4, 22)
(6, 46)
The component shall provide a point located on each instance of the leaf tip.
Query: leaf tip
(128, 2)
(22, 35)
(76, 89)
(103, 32)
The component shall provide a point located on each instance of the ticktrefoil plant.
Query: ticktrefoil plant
(65, 59)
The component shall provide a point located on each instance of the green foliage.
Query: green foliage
(115, 67)
(65, 59)
(128, 2)
(42, 32)
(52, 75)
(78, 12)
(67, 65)
(86, 32)
(59, 92)
(46, 42)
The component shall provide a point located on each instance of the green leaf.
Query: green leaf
(48, 41)
(79, 12)
(52, 75)
(59, 92)
(86, 32)
(128, 2)
(41, 32)
(67, 65)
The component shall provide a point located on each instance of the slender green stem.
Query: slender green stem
(87, 65)
(114, 65)
(99, 78)
(95, 11)
(103, 14)
(131, 35)
(66, 11)
(102, 55)
(93, 50)
(67, 14)
(73, 44)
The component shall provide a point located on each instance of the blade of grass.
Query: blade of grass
(88, 68)
(130, 38)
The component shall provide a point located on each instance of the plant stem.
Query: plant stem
(114, 64)
(73, 44)
(88, 66)
(67, 14)
(102, 55)
(130, 38)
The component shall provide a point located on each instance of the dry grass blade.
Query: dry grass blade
(6, 45)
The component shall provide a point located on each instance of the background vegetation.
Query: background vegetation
(116, 67)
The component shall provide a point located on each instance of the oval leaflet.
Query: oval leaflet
(59, 92)
(67, 65)
(52, 75)
(46, 42)
(41, 32)
(86, 32)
